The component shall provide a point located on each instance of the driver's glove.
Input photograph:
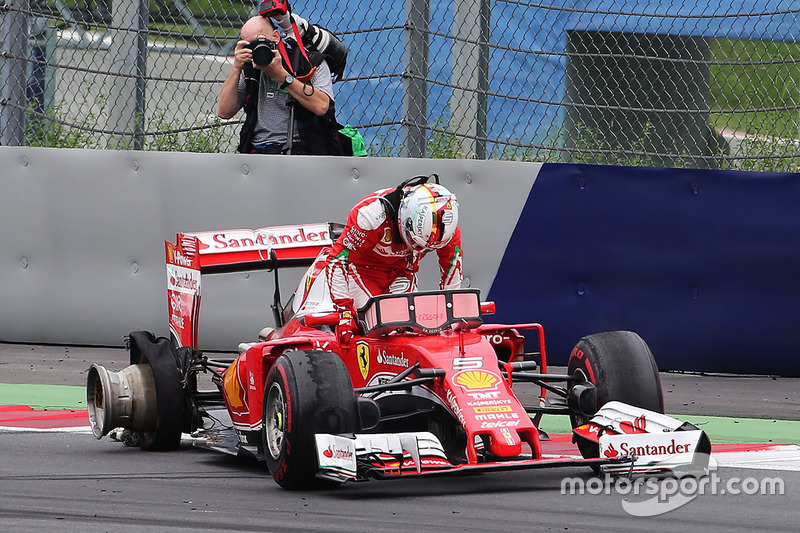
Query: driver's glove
(347, 326)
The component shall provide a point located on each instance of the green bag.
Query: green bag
(355, 139)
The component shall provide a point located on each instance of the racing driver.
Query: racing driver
(384, 238)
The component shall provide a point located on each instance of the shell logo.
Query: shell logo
(476, 380)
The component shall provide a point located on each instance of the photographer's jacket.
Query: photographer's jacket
(267, 112)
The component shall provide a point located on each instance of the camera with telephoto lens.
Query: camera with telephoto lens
(263, 49)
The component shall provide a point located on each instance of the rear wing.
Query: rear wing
(237, 250)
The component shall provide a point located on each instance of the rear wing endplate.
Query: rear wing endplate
(237, 250)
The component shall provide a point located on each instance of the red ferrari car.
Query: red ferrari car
(424, 388)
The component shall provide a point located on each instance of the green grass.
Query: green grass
(770, 83)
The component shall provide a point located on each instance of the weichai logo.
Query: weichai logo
(180, 259)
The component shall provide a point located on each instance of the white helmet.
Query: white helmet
(427, 217)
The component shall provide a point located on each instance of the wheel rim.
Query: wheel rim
(275, 420)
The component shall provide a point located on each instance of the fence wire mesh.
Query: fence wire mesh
(664, 83)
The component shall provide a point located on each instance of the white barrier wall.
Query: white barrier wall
(82, 231)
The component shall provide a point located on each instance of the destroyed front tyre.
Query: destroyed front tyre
(306, 392)
(621, 367)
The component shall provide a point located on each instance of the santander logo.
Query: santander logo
(628, 449)
(332, 452)
(183, 282)
(611, 452)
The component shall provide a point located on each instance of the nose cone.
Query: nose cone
(505, 442)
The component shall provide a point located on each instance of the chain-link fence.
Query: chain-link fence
(665, 83)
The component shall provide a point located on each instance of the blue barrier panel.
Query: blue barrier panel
(702, 264)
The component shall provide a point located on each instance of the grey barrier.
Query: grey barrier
(82, 231)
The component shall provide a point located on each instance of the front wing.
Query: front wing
(656, 442)
(629, 439)
(401, 455)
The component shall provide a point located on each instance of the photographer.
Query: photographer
(272, 109)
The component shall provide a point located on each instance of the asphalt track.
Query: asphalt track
(55, 476)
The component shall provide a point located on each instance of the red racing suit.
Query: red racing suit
(366, 261)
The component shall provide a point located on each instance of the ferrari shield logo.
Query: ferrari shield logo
(362, 355)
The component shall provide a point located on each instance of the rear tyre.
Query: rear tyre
(622, 368)
(171, 397)
(170, 404)
(305, 393)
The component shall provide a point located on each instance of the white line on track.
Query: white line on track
(17, 429)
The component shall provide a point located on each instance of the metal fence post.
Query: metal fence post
(40, 89)
(415, 85)
(128, 57)
(14, 71)
(468, 100)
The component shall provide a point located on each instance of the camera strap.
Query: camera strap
(251, 81)
(305, 78)
(288, 63)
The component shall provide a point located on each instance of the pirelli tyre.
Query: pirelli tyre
(622, 368)
(306, 392)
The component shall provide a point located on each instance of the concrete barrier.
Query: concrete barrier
(82, 231)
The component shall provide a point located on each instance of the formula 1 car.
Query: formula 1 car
(424, 388)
